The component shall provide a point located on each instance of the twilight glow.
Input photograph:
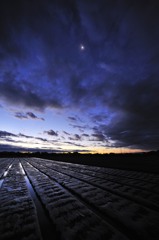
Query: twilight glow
(79, 75)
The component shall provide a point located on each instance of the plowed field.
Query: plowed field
(44, 199)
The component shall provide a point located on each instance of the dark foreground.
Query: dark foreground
(43, 199)
(144, 162)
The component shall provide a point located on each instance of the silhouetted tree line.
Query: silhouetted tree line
(148, 162)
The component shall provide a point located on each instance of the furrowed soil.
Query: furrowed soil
(46, 199)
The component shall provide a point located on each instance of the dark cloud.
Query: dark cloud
(75, 144)
(10, 140)
(33, 116)
(81, 128)
(27, 115)
(7, 134)
(85, 135)
(31, 137)
(80, 150)
(99, 137)
(75, 137)
(9, 147)
(22, 93)
(42, 139)
(25, 136)
(21, 115)
(72, 118)
(114, 80)
(35, 138)
(135, 122)
(51, 133)
(99, 118)
(66, 133)
(9, 137)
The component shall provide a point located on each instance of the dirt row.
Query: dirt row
(4, 164)
(140, 193)
(74, 220)
(18, 218)
(148, 177)
(126, 214)
(76, 202)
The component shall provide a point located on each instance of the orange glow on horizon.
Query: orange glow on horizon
(112, 150)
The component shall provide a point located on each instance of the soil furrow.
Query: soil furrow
(79, 208)
(47, 227)
(17, 212)
(148, 200)
(131, 215)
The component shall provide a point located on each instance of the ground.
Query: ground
(45, 199)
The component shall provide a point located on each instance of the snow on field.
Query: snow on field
(76, 201)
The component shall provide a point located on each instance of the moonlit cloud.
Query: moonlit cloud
(87, 69)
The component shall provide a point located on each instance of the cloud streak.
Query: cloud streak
(6, 134)
(27, 115)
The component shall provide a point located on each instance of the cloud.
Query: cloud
(75, 144)
(21, 115)
(23, 94)
(27, 115)
(99, 137)
(33, 116)
(31, 137)
(114, 81)
(9, 137)
(25, 136)
(99, 118)
(75, 137)
(11, 148)
(134, 122)
(68, 72)
(81, 128)
(66, 133)
(85, 135)
(51, 133)
(42, 139)
(4, 134)
(72, 118)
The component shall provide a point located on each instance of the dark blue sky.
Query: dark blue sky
(79, 75)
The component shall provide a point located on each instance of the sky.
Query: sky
(79, 75)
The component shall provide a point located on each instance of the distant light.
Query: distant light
(82, 47)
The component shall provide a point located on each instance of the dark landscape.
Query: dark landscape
(55, 199)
